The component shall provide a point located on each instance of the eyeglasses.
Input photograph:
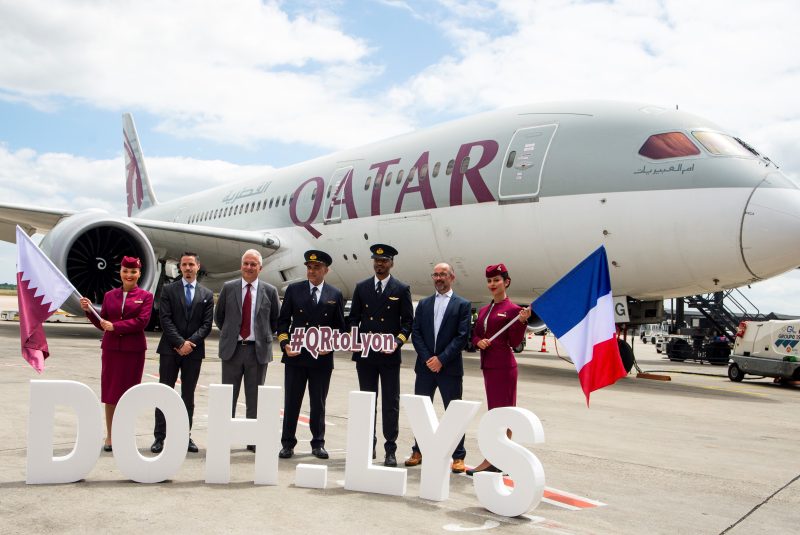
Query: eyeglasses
(439, 275)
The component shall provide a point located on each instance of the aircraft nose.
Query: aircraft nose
(770, 233)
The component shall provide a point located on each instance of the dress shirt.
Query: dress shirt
(384, 282)
(439, 306)
(319, 289)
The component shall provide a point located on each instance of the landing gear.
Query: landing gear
(626, 353)
(735, 373)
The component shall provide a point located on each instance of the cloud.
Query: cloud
(231, 72)
(65, 181)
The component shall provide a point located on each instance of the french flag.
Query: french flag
(579, 310)
(41, 289)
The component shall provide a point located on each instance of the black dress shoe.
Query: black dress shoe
(158, 446)
(107, 447)
(192, 446)
(286, 453)
(319, 453)
(490, 468)
(390, 460)
(251, 447)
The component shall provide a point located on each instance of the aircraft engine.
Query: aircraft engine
(88, 248)
(535, 323)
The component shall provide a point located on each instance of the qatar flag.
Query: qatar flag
(41, 289)
(579, 310)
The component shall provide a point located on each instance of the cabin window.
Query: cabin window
(246, 208)
(449, 167)
(722, 145)
(436, 169)
(510, 160)
(253, 206)
(423, 172)
(271, 201)
(216, 213)
(464, 165)
(330, 187)
(411, 174)
(388, 180)
(284, 200)
(378, 178)
(668, 145)
(389, 176)
(367, 182)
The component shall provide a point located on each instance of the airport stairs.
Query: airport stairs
(725, 309)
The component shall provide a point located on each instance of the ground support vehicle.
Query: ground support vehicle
(767, 349)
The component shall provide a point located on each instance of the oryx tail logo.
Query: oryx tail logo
(133, 178)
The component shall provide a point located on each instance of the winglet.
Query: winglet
(137, 184)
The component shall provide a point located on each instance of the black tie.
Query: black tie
(378, 288)
(314, 295)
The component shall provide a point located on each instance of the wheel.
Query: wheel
(520, 347)
(644, 339)
(735, 374)
(626, 354)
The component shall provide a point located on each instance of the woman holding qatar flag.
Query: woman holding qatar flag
(500, 326)
(123, 318)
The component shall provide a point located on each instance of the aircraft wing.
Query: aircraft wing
(214, 245)
(31, 218)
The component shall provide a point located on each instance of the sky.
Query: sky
(226, 89)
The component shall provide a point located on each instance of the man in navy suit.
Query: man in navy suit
(441, 326)
(186, 311)
(311, 303)
(382, 304)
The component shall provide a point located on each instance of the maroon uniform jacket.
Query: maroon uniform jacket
(129, 323)
(499, 354)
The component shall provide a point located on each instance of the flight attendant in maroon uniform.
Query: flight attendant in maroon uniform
(125, 314)
(497, 358)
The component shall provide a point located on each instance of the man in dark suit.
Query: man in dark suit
(246, 315)
(382, 304)
(311, 303)
(441, 326)
(186, 311)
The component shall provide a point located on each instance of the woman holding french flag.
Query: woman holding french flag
(497, 358)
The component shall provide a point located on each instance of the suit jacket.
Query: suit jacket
(297, 310)
(129, 322)
(228, 317)
(452, 338)
(392, 312)
(178, 326)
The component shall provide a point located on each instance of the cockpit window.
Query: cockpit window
(723, 145)
(668, 145)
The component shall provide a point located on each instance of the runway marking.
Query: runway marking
(560, 498)
(302, 419)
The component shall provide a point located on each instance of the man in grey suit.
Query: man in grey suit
(186, 311)
(246, 315)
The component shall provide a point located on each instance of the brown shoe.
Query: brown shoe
(415, 459)
(458, 466)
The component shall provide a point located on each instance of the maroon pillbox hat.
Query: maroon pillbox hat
(495, 270)
(131, 262)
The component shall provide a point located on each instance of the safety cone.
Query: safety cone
(544, 344)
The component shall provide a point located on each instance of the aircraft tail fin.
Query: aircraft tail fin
(137, 184)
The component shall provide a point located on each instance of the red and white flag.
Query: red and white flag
(41, 289)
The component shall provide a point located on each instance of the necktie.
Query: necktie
(378, 288)
(188, 297)
(244, 332)
(314, 295)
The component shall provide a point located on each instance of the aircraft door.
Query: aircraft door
(521, 177)
(338, 186)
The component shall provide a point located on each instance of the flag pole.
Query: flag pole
(505, 327)
(74, 290)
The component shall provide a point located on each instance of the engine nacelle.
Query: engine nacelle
(88, 248)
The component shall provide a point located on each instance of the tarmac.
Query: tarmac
(697, 454)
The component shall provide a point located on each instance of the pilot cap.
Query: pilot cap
(317, 256)
(131, 262)
(496, 269)
(380, 250)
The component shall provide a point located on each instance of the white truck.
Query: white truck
(766, 348)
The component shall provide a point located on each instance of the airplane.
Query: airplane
(537, 187)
